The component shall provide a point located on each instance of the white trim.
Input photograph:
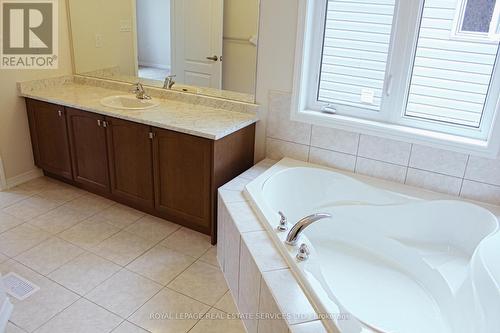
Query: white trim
(135, 46)
(403, 133)
(302, 48)
(392, 125)
(23, 178)
(152, 64)
(470, 36)
(3, 181)
(5, 313)
(494, 33)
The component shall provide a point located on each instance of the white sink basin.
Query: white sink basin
(126, 102)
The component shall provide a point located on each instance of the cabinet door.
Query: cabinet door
(87, 134)
(49, 136)
(131, 162)
(182, 165)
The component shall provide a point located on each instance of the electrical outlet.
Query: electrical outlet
(125, 26)
(99, 39)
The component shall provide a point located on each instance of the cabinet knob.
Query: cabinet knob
(60, 113)
(99, 122)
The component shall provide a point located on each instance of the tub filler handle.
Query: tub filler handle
(283, 226)
(294, 235)
(303, 253)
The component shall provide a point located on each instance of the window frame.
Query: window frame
(391, 121)
(494, 33)
(469, 36)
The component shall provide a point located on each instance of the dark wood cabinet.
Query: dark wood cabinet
(87, 137)
(49, 137)
(165, 173)
(130, 149)
(182, 165)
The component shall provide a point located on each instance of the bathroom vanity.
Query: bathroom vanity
(168, 161)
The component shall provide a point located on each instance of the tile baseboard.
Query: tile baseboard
(22, 178)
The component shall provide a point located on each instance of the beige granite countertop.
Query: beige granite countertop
(195, 119)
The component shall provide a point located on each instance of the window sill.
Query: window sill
(438, 140)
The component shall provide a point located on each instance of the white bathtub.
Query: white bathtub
(388, 262)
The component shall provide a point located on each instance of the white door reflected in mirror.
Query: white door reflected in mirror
(198, 41)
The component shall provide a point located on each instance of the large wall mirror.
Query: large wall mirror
(209, 45)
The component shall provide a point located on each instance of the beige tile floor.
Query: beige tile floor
(104, 267)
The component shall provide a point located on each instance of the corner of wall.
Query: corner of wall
(276, 58)
(22, 178)
(3, 181)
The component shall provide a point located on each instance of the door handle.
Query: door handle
(214, 58)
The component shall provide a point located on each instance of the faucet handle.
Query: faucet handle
(303, 253)
(283, 226)
(137, 87)
(169, 81)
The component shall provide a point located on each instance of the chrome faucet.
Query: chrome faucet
(294, 235)
(139, 91)
(169, 82)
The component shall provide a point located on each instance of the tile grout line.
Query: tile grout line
(114, 329)
(408, 164)
(357, 155)
(356, 171)
(164, 286)
(48, 211)
(37, 216)
(58, 235)
(27, 197)
(59, 312)
(17, 326)
(121, 267)
(382, 161)
(463, 178)
(87, 251)
(260, 295)
(84, 296)
(60, 285)
(310, 143)
(126, 321)
(190, 297)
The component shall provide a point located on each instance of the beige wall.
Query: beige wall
(15, 145)
(92, 17)
(277, 31)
